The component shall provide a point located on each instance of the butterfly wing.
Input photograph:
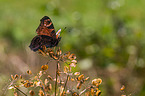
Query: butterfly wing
(40, 40)
(36, 43)
(46, 27)
(46, 35)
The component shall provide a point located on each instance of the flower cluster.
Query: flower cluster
(43, 84)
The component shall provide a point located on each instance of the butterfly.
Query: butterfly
(46, 35)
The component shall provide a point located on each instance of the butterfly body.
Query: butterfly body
(46, 35)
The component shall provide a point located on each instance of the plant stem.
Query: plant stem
(66, 81)
(20, 91)
(56, 76)
(82, 92)
(65, 84)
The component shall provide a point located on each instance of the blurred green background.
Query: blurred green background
(107, 37)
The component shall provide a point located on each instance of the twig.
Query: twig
(56, 76)
(66, 81)
(65, 84)
(82, 92)
(20, 91)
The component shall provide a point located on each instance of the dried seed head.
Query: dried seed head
(43, 48)
(66, 69)
(52, 54)
(122, 88)
(80, 77)
(68, 78)
(28, 84)
(40, 74)
(20, 76)
(46, 81)
(61, 82)
(41, 93)
(44, 67)
(77, 73)
(48, 88)
(58, 52)
(66, 54)
(72, 65)
(72, 79)
(16, 76)
(97, 88)
(79, 85)
(86, 78)
(98, 93)
(74, 61)
(31, 92)
(54, 57)
(72, 57)
(61, 90)
(92, 92)
(68, 92)
(29, 72)
(36, 77)
(41, 52)
(49, 50)
(58, 72)
(37, 83)
(97, 82)
(11, 87)
(12, 77)
(50, 77)
(63, 94)
(75, 94)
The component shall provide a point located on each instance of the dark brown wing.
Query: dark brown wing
(46, 27)
(40, 40)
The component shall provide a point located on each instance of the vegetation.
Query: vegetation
(107, 37)
(43, 84)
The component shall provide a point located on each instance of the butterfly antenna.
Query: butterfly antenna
(64, 29)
